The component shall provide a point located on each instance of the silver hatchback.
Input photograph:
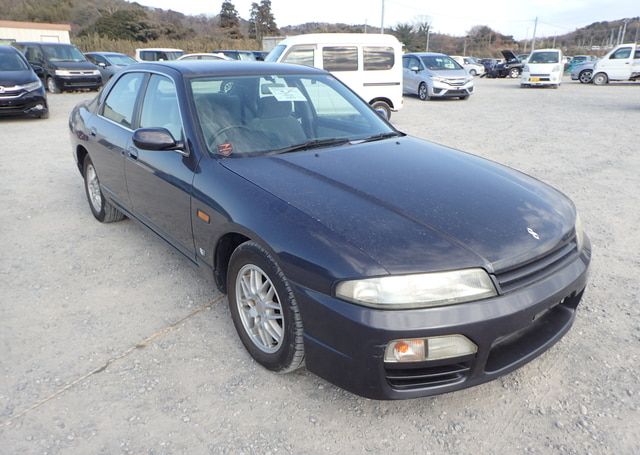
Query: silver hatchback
(431, 75)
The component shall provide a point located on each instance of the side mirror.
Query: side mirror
(415, 69)
(102, 64)
(38, 70)
(157, 139)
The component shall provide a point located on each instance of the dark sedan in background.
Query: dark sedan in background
(21, 91)
(390, 266)
(109, 63)
(512, 66)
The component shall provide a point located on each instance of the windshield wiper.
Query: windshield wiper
(379, 137)
(315, 143)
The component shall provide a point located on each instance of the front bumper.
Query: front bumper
(444, 90)
(529, 79)
(78, 82)
(345, 343)
(28, 103)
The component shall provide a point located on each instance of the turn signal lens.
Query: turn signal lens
(433, 348)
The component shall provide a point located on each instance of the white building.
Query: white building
(33, 31)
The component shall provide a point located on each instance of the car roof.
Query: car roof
(31, 43)
(426, 54)
(199, 68)
(335, 38)
(545, 50)
(161, 49)
(6, 49)
(105, 53)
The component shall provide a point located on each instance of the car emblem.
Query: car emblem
(533, 233)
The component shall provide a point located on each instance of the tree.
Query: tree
(125, 24)
(404, 33)
(229, 17)
(261, 20)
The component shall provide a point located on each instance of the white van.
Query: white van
(621, 64)
(369, 64)
(543, 67)
(158, 54)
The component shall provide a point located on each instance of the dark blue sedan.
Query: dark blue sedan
(390, 266)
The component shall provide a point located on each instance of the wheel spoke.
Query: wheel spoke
(245, 286)
(272, 331)
(264, 337)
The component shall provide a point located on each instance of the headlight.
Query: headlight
(95, 72)
(62, 73)
(438, 79)
(420, 290)
(579, 233)
(31, 86)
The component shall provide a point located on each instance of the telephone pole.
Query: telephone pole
(429, 33)
(382, 18)
(533, 40)
(624, 30)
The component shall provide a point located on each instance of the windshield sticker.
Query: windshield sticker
(287, 94)
(225, 149)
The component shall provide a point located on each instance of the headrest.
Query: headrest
(270, 107)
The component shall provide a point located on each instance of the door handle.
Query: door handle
(93, 131)
(132, 153)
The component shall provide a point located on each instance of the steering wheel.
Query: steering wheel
(230, 127)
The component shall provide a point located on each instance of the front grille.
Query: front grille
(11, 93)
(456, 92)
(456, 83)
(528, 273)
(540, 75)
(417, 378)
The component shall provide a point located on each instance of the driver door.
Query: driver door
(159, 182)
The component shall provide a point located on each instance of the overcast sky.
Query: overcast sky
(511, 17)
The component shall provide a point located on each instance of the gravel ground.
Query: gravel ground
(110, 343)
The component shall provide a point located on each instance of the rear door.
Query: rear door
(110, 134)
(160, 182)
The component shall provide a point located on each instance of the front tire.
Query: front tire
(600, 79)
(473, 73)
(52, 86)
(264, 310)
(382, 108)
(103, 210)
(514, 73)
(423, 92)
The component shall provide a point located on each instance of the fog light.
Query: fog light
(39, 107)
(433, 348)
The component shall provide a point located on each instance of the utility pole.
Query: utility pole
(533, 40)
(619, 33)
(624, 30)
(464, 48)
(429, 33)
(611, 40)
(554, 41)
(526, 41)
(635, 40)
(382, 18)
(365, 25)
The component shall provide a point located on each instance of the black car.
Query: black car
(64, 66)
(260, 55)
(21, 91)
(512, 66)
(488, 64)
(391, 266)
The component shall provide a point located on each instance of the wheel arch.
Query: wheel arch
(384, 100)
(81, 154)
(223, 249)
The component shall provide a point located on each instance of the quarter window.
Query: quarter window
(121, 101)
(343, 58)
(378, 58)
(160, 106)
(300, 56)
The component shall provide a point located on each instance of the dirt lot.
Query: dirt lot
(110, 343)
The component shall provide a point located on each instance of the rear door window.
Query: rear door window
(300, 56)
(340, 58)
(622, 53)
(121, 100)
(378, 58)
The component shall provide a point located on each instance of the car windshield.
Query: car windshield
(249, 56)
(11, 61)
(275, 53)
(544, 57)
(440, 63)
(63, 53)
(269, 114)
(122, 60)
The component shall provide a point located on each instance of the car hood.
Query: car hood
(450, 74)
(508, 55)
(74, 66)
(415, 206)
(11, 78)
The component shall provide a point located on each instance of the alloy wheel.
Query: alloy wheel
(93, 188)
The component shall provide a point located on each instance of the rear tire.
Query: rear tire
(585, 76)
(600, 79)
(382, 108)
(264, 310)
(103, 210)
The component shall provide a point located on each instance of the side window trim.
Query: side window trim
(136, 106)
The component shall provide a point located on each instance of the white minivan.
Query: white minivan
(369, 64)
(621, 64)
(543, 67)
